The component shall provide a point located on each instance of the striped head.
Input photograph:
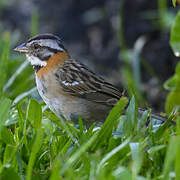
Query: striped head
(40, 49)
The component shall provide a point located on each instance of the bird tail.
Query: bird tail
(155, 116)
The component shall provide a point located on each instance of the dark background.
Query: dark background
(103, 34)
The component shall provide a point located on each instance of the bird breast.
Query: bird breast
(68, 106)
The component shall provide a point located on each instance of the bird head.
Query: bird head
(40, 49)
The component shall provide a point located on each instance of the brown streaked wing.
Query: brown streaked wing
(78, 80)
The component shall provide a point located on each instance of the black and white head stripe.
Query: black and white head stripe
(47, 40)
(41, 48)
(44, 36)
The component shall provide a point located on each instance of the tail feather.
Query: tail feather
(155, 116)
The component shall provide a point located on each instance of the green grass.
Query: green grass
(35, 144)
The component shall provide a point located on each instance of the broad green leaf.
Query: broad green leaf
(131, 123)
(5, 41)
(175, 36)
(137, 157)
(177, 76)
(9, 173)
(142, 121)
(6, 136)
(172, 100)
(35, 113)
(170, 157)
(122, 173)
(5, 105)
(170, 84)
(35, 148)
(177, 160)
(15, 74)
(56, 168)
(9, 154)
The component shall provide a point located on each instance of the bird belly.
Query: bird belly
(70, 107)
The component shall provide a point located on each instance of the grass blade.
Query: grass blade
(106, 130)
(35, 114)
(35, 149)
(79, 152)
(111, 153)
(137, 158)
(5, 105)
(170, 157)
(13, 77)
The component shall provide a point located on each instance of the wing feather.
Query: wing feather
(76, 79)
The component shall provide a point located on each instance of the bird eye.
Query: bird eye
(36, 46)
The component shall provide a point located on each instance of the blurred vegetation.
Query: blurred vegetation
(173, 83)
(35, 144)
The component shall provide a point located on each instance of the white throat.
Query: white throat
(35, 61)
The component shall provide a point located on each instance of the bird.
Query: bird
(69, 88)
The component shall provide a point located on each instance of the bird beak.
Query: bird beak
(22, 48)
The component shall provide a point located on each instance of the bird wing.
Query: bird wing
(76, 79)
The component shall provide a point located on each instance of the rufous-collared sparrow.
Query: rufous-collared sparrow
(68, 87)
